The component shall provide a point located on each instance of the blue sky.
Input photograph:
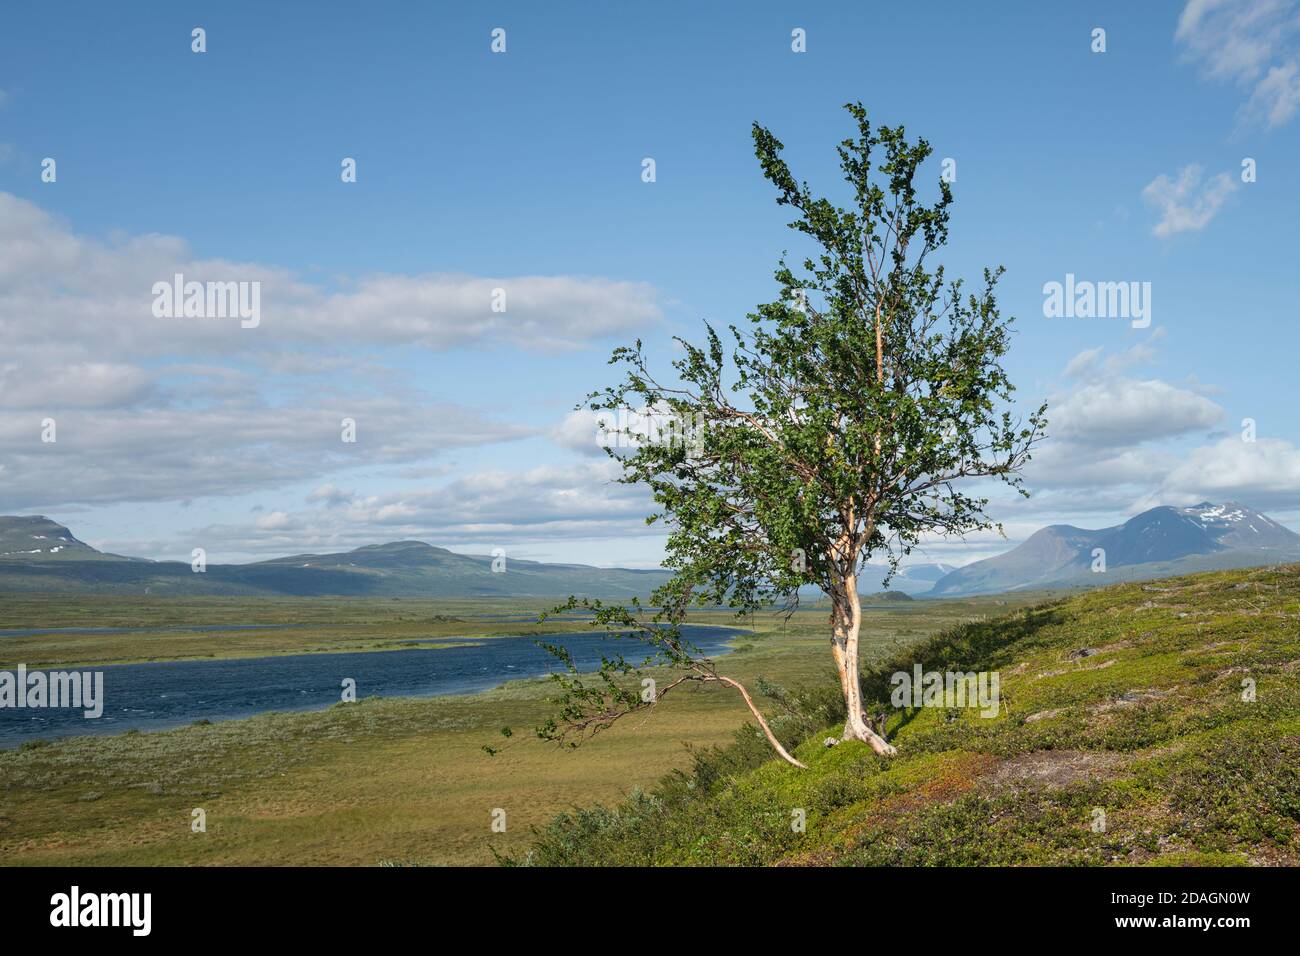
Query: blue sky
(522, 170)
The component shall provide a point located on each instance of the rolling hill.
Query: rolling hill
(37, 554)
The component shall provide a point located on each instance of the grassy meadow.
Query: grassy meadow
(380, 781)
(1154, 723)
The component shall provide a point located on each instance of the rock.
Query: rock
(1042, 715)
(830, 741)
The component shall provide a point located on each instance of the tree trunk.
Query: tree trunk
(847, 662)
(762, 723)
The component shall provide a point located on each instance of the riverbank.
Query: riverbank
(388, 780)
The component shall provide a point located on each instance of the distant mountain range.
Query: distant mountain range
(1161, 542)
(912, 579)
(37, 554)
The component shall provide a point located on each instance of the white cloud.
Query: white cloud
(1083, 363)
(1089, 364)
(1099, 472)
(151, 409)
(331, 494)
(275, 521)
(1251, 43)
(228, 446)
(1188, 202)
(74, 385)
(580, 431)
(538, 506)
(1123, 412)
(1114, 436)
(1264, 474)
(1277, 95)
(97, 296)
(1121, 445)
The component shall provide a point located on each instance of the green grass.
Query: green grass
(1150, 729)
(395, 780)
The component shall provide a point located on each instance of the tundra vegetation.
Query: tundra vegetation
(1130, 699)
(1153, 723)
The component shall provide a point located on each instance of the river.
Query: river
(162, 694)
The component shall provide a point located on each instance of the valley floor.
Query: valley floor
(1147, 723)
(379, 781)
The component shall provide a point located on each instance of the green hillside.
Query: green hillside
(1126, 701)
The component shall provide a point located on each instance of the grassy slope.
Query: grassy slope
(397, 779)
(1151, 729)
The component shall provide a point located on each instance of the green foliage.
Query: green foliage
(590, 703)
(865, 394)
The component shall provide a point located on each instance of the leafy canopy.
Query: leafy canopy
(852, 406)
(840, 421)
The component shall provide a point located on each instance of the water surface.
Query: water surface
(162, 694)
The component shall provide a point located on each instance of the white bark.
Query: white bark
(848, 663)
(758, 715)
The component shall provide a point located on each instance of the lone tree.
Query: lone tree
(851, 410)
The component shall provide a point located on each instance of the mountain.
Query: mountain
(37, 554)
(37, 538)
(413, 567)
(910, 579)
(1155, 543)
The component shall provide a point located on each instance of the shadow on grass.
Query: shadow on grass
(974, 646)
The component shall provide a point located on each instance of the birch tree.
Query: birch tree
(856, 415)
